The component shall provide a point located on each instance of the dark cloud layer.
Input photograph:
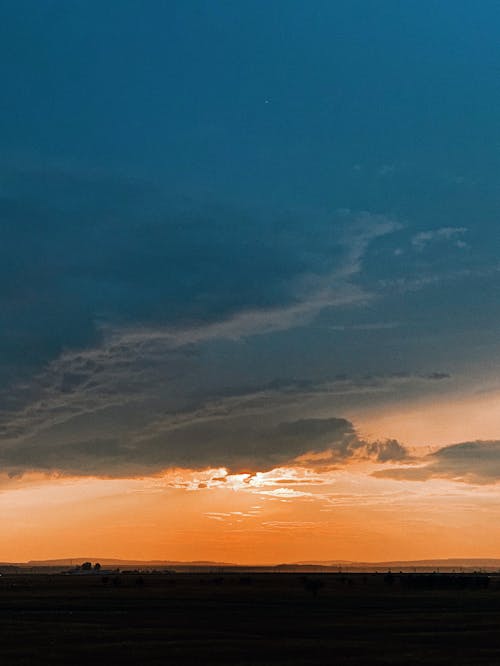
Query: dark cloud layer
(96, 434)
(197, 199)
(240, 444)
(116, 411)
(110, 293)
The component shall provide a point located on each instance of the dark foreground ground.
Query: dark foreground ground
(247, 619)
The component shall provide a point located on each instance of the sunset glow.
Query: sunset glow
(249, 281)
(284, 515)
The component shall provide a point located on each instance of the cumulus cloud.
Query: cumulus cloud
(476, 462)
(389, 450)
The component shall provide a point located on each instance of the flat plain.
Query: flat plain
(219, 618)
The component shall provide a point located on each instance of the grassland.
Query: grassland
(245, 619)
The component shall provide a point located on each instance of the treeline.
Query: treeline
(439, 581)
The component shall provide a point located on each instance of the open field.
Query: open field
(260, 619)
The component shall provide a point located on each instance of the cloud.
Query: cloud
(387, 451)
(448, 234)
(106, 413)
(117, 301)
(239, 444)
(86, 257)
(110, 292)
(438, 376)
(372, 326)
(83, 255)
(95, 431)
(476, 462)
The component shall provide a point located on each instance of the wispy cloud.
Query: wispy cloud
(127, 401)
(447, 234)
(252, 428)
(370, 326)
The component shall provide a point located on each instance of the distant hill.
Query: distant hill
(448, 564)
(112, 561)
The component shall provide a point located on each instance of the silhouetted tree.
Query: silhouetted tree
(86, 566)
(97, 566)
(389, 578)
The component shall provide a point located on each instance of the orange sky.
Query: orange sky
(435, 422)
(289, 514)
(240, 238)
(349, 516)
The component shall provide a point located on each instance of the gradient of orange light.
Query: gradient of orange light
(367, 519)
(434, 423)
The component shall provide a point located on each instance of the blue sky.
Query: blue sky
(250, 218)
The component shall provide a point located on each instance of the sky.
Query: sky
(249, 279)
